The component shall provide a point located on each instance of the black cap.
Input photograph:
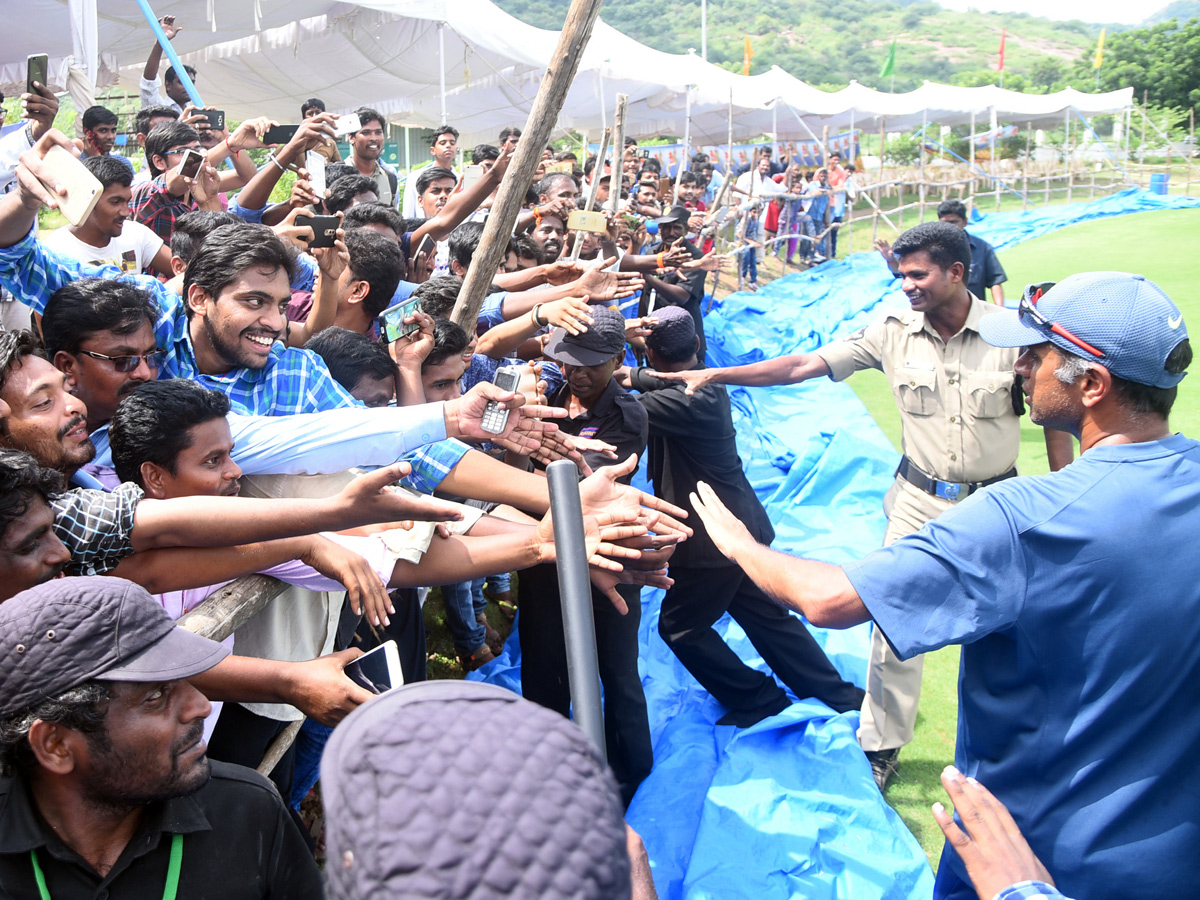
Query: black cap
(603, 340)
(544, 815)
(58, 635)
(677, 213)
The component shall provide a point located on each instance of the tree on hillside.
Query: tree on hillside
(1163, 60)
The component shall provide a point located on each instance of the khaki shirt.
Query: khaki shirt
(955, 397)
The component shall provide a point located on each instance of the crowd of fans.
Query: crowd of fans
(196, 386)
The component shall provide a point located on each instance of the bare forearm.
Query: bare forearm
(507, 337)
(781, 370)
(521, 303)
(246, 679)
(820, 592)
(454, 559)
(153, 60)
(182, 568)
(189, 521)
(480, 477)
(321, 315)
(998, 294)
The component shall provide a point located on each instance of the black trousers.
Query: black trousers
(407, 629)
(700, 597)
(544, 669)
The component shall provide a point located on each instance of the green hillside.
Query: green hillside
(828, 44)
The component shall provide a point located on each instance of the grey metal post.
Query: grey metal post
(575, 589)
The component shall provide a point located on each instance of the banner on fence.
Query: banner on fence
(808, 153)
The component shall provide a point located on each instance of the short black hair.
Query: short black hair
(952, 208)
(524, 246)
(688, 178)
(565, 155)
(98, 115)
(230, 250)
(373, 214)
(631, 142)
(109, 171)
(483, 152)
(546, 185)
(141, 122)
(350, 356)
(343, 191)
(946, 244)
(700, 159)
(165, 136)
(79, 309)
(193, 227)
(440, 130)
(22, 480)
(430, 174)
(334, 171)
(83, 708)
(14, 347)
(438, 295)
(377, 261)
(464, 241)
(652, 163)
(311, 103)
(172, 75)
(510, 131)
(152, 424)
(367, 114)
(449, 339)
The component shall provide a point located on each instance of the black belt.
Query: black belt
(947, 490)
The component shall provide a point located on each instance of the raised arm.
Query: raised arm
(462, 204)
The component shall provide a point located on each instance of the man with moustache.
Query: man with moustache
(100, 135)
(106, 787)
(366, 146)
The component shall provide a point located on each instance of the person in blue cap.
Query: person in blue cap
(1075, 596)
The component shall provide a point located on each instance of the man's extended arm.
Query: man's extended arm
(780, 370)
(820, 592)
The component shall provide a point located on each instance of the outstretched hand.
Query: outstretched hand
(693, 379)
(601, 490)
(370, 498)
(725, 529)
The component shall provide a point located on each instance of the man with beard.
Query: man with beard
(109, 237)
(100, 135)
(106, 785)
(548, 233)
(366, 146)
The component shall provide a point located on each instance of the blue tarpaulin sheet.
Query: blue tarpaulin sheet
(788, 808)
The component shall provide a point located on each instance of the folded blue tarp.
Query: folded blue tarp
(788, 808)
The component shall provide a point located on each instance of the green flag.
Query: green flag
(889, 67)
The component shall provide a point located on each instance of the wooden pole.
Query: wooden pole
(493, 244)
(616, 182)
(593, 188)
(231, 607)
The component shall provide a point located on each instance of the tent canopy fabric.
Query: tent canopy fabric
(265, 57)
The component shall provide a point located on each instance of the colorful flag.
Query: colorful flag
(1099, 60)
(889, 67)
(747, 55)
(1000, 68)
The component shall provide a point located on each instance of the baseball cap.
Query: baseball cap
(674, 337)
(1130, 321)
(603, 340)
(677, 213)
(58, 635)
(394, 776)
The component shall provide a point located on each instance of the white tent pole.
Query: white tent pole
(850, 152)
(1104, 146)
(971, 155)
(442, 66)
(992, 141)
(686, 154)
(704, 30)
(921, 150)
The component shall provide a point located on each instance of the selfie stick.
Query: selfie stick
(161, 37)
(575, 589)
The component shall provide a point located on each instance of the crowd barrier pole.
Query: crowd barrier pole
(575, 590)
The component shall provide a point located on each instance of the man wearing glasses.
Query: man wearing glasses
(171, 193)
(960, 429)
(1074, 596)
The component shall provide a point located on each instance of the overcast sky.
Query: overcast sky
(1089, 11)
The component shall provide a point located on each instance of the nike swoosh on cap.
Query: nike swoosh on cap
(1175, 321)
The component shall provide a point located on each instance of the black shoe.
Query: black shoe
(883, 765)
(744, 718)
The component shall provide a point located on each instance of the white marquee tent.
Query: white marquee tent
(421, 62)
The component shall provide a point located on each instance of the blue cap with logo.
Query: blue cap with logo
(1122, 321)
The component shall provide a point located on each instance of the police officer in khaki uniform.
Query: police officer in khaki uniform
(960, 429)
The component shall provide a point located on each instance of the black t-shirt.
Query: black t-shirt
(692, 439)
(239, 843)
(694, 281)
(616, 418)
(986, 270)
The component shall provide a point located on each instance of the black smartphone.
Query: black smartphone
(192, 161)
(279, 134)
(36, 67)
(216, 118)
(424, 247)
(324, 229)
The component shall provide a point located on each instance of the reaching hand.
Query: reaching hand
(40, 108)
(885, 250)
(464, 417)
(570, 313)
(170, 29)
(320, 689)
(992, 847)
(299, 236)
(693, 379)
(411, 350)
(710, 262)
(333, 261)
(362, 583)
(601, 491)
(370, 498)
(602, 286)
(248, 135)
(725, 529)
(302, 196)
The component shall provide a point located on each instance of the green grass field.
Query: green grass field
(1161, 246)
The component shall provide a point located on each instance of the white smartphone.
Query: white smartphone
(314, 162)
(472, 175)
(347, 124)
(495, 416)
(378, 670)
(83, 188)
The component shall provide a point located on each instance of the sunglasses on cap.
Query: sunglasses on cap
(126, 364)
(1028, 313)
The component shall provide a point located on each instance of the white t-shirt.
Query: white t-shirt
(132, 251)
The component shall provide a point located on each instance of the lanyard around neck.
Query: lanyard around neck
(170, 889)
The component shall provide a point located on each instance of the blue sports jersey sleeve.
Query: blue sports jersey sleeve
(961, 577)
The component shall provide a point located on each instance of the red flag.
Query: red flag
(1000, 68)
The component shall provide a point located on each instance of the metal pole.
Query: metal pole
(921, 151)
(1025, 168)
(575, 591)
(704, 30)
(176, 64)
(442, 66)
(971, 154)
(992, 138)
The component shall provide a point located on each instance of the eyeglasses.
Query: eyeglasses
(177, 150)
(1028, 310)
(154, 360)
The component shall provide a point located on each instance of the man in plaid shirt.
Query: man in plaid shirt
(159, 202)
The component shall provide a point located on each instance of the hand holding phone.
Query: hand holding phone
(378, 670)
(347, 124)
(393, 317)
(189, 167)
(495, 416)
(279, 134)
(83, 189)
(314, 164)
(324, 229)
